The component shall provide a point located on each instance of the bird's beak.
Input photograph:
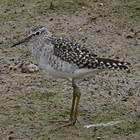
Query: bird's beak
(23, 40)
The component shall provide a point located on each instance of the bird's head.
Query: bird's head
(35, 33)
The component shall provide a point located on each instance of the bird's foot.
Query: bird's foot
(70, 122)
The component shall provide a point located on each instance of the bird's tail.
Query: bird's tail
(103, 63)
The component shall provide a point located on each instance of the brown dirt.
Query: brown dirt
(29, 100)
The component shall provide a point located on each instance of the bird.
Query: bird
(65, 58)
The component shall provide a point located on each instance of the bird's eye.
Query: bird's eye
(37, 33)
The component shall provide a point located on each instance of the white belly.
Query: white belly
(70, 75)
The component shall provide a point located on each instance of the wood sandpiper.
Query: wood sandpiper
(64, 58)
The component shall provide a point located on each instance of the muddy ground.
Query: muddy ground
(29, 100)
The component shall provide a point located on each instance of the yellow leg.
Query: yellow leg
(73, 115)
(76, 96)
(73, 103)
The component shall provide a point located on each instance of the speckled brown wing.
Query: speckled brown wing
(72, 52)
